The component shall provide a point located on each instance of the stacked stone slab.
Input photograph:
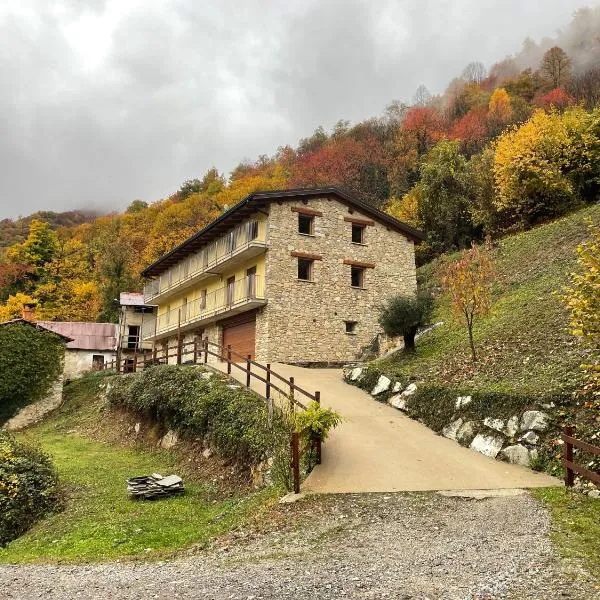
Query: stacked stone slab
(151, 487)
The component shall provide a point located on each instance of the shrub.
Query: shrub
(28, 487)
(403, 315)
(316, 421)
(30, 362)
(235, 419)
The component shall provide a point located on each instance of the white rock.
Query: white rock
(451, 431)
(594, 494)
(517, 455)
(535, 420)
(382, 385)
(466, 432)
(495, 424)
(410, 390)
(233, 386)
(137, 427)
(207, 453)
(489, 445)
(397, 387)
(512, 426)
(206, 375)
(169, 440)
(531, 437)
(463, 401)
(356, 373)
(398, 401)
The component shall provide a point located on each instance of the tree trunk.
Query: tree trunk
(409, 340)
(471, 342)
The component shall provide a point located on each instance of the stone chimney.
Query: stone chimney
(29, 312)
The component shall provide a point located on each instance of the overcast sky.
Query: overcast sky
(105, 101)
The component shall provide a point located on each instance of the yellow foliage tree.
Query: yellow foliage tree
(583, 301)
(13, 308)
(406, 209)
(500, 106)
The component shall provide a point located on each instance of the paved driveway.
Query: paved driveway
(379, 449)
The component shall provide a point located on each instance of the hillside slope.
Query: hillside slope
(524, 344)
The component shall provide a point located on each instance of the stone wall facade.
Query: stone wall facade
(305, 321)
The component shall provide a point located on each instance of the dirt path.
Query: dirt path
(379, 449)
(369, 546)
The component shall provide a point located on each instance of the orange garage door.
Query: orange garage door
(241, 335)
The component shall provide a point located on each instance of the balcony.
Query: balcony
(233, 249)
(243, 295)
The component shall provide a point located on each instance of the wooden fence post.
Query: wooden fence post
(295, 443)
(205, 350)
(154, 353)
(195, 350)
(318, 441)
(179, 338)
(248, 367)
(229, 359)
(292, 394)
(568, 455)
(268, 394)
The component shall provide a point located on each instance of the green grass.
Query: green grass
(524, 344)
(99, 521)
(576, 526)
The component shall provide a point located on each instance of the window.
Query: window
(230, 290)
(252, 230)
(251, 282)
(306, 224)
(97, 362)
(357, 277)
(203, 300)
(133, 337)
(358, 233)
(350, 326)
(305, 269)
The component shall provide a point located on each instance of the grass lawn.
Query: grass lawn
(100, 522)
(576, 525)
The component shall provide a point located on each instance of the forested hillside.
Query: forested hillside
(500, 150)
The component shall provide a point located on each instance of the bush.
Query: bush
(28, 487)
(235, 419)
(30, 362)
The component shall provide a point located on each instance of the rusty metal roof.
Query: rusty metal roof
(85, 336)
(21, 321)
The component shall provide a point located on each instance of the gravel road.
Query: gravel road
(400, 546)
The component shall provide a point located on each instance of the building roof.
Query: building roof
(36, 325)
(84, 336)
(260, 200)
(132, 299)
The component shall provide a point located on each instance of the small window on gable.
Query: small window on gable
(350, 326)
(306, 224)
(358, 233)
(357, 277)
(305, 269)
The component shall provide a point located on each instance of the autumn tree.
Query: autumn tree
(583, 301)
(38, 249)
(557, 99)
(422, 96)
(13, 307)
(469, 281)
(556, 66)
(474, 72)
(471, 130)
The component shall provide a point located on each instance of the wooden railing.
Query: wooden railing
(568, 462)
(198, 352)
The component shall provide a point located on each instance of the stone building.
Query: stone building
(288, 276)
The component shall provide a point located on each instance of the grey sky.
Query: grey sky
(105, 101)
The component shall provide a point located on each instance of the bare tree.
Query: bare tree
(585, 87)
(422, 96)
(556, 66)
(474, 72)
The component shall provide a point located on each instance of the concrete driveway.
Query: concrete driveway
(379, 449)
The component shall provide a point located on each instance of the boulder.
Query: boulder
(410, 390)
(397, 387)
(382, 385)
(518, 455)
(466, 432)
(495, 424)
(531, 437)
(137, 427)
(594, 494)
(451, 430)
(534, 420)
(489, 445)
(398, 401)
(463, 401)
(168, 440)
(512, 426)
(207, 375)
(207, 453)
(356, 373)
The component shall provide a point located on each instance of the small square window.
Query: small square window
(305, 268)
(351, 326)
(306, 224)
(358, 233)
(357, 277)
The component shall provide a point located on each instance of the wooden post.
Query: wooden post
(154, 357)
(135, 360)
(292, 394)
(205, 350)
(229, 359)
(195, 350)
(179, 339)
(248, 367)
(295, 443)
(318, 440)
(568, 455)
(118, 359)
(268, 395)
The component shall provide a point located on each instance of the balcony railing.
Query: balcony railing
(229, 297)
(245, 235)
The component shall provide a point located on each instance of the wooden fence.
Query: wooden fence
(568, 462)
(198, 352)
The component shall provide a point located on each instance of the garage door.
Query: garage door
(240, 333)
